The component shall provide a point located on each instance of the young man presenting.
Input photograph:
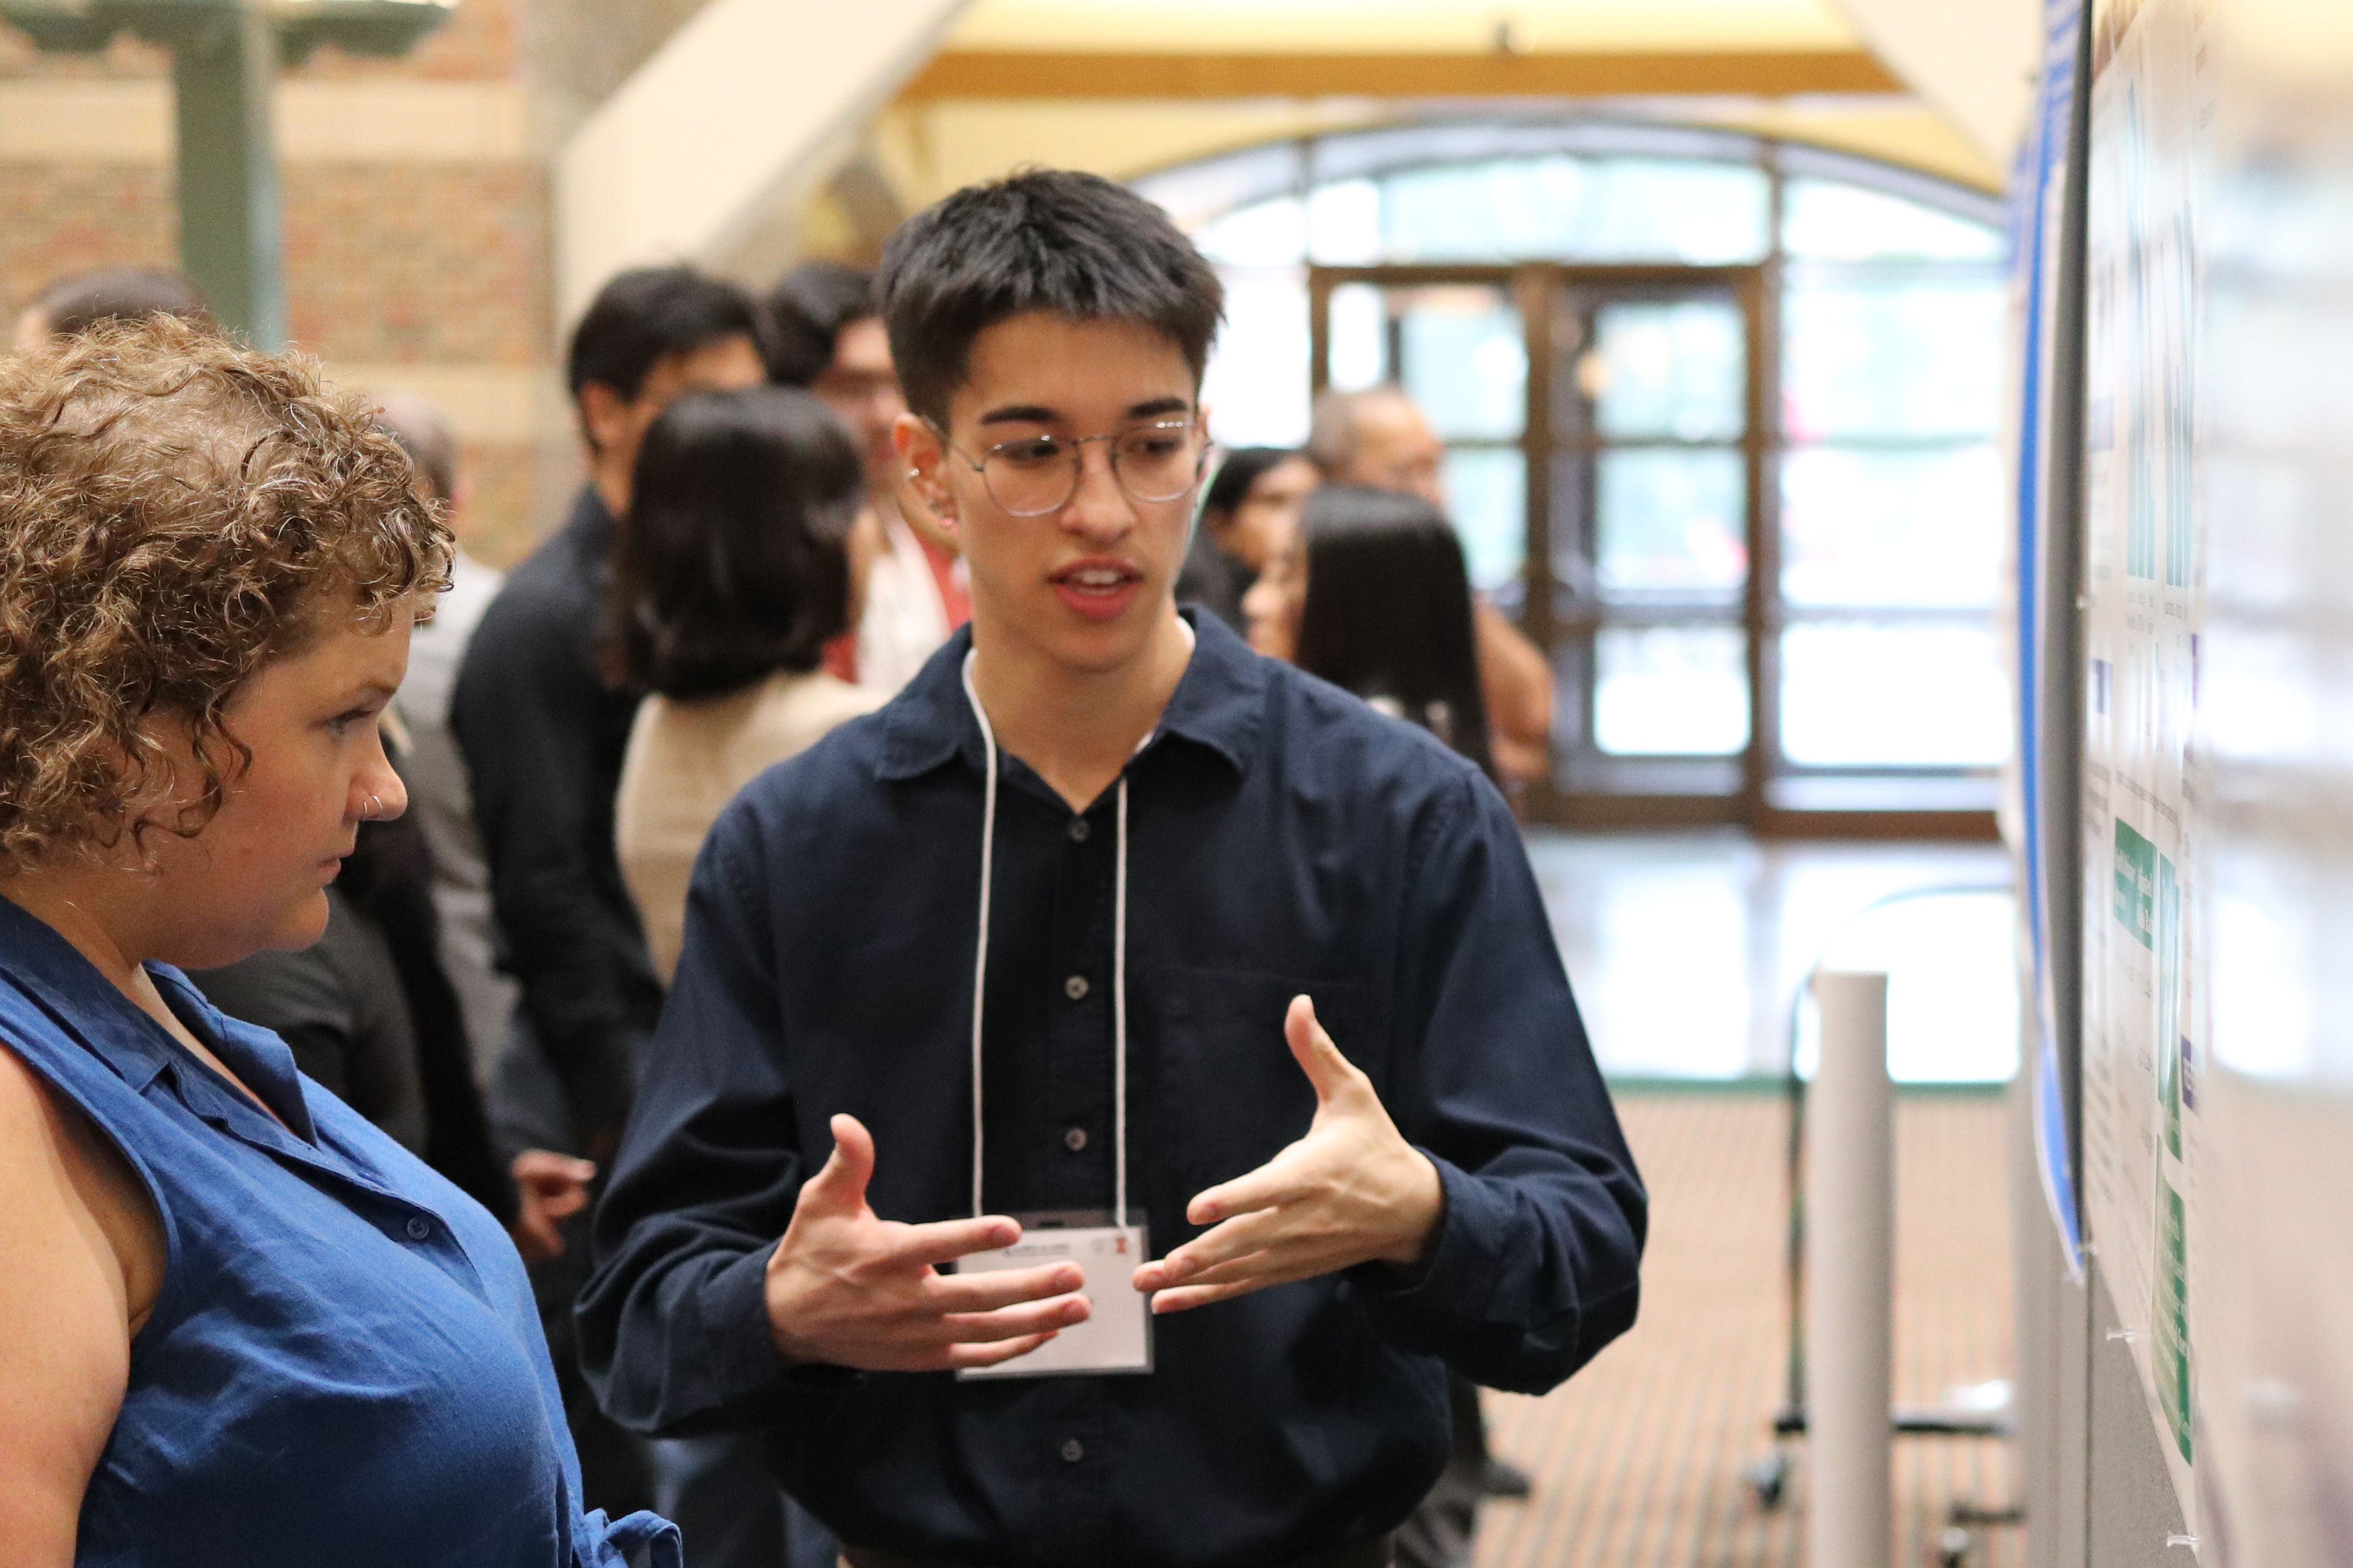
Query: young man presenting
(1061, 931)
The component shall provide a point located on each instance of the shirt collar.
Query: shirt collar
(1219, 704)
(50, 971)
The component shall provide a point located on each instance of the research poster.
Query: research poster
(2142, 1051)
(2271, 778)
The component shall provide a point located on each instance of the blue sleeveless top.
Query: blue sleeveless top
(344, 1365)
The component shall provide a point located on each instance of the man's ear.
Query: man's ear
(604, 416)
(922, 453)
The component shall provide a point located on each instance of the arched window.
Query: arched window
(1759, 385)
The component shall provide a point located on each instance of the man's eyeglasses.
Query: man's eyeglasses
(1038, 474)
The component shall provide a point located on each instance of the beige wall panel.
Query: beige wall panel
(486, 404)
(365, 121)
(114, 120)
(89, 119)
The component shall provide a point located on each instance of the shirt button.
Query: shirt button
(1075, 1139)
(1075, 987)
(1073, 1451)
(418, 1230)
(1079, 830)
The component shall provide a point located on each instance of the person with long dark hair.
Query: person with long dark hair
(731, 571)
(1371, 594)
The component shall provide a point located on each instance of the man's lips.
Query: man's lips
(1097, 589)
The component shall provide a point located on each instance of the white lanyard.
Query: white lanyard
(1118, 968)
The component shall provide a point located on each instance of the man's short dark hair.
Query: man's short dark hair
(1242, 468)
(81, 300)
(807, 309)
(646, 315)
(1049, 239)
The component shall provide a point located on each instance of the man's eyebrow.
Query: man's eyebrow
(1037, 414)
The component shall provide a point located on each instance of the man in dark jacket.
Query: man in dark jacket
(544, 737)
(543, 734)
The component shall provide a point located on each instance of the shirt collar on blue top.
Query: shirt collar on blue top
(51, 970)
(1219, 704)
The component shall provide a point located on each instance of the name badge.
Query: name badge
(1116, 1336)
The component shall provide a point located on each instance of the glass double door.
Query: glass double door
(1606, 443)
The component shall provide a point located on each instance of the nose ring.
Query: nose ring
(374, 810)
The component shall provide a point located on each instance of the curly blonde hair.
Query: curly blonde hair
(175, 511)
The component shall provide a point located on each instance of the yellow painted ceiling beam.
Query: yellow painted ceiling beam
(1020, 74)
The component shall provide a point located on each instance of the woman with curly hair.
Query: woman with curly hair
(243, 1326)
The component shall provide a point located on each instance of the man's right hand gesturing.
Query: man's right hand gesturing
(847, 1288)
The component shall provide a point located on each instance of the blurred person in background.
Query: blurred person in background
(543, 736)
(1370, 592)
(243, 1325)
(440, 797)
(81, 300)
(826, 334)
(732, 574)
(733, 571)
(1250, 507)
(1379, 438)
(542, 732)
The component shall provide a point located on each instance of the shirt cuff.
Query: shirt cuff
(744, 1363)
(1460, 1272)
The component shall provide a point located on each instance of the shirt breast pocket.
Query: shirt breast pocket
(1230, 1094)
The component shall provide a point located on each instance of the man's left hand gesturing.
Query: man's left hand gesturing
(1352, 1191)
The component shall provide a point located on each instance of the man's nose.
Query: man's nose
(1097, 504)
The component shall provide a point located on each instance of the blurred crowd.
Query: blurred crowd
(744, 567)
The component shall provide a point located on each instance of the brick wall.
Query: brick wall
(425, 270)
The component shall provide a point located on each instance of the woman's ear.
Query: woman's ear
(922, 453)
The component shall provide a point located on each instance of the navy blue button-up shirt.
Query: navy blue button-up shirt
(1283, 838)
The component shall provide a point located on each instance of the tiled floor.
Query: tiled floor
(1687, 950)
(1638, 1460)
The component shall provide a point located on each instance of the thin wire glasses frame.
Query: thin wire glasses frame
(1035, 475)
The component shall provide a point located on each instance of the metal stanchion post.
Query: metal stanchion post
(1850, 1276)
